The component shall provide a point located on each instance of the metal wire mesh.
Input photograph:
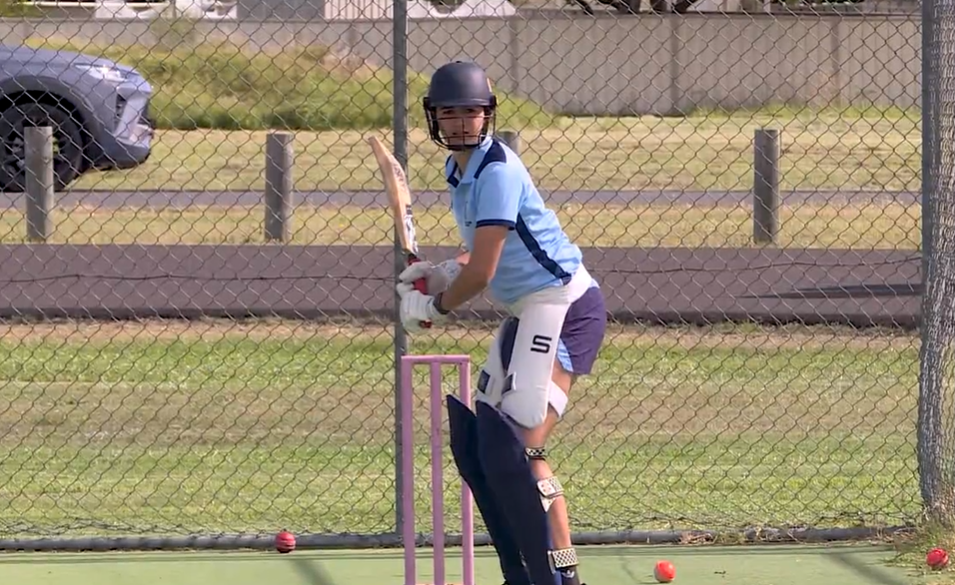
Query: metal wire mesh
(201, 341)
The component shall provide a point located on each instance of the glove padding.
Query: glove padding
(416, 307)
(438, 277)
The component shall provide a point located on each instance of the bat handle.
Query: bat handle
(420, 285)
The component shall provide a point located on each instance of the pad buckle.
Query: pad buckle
(563, 557)
(483, 379)
(550, 489)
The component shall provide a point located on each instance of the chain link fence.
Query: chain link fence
(199, 342)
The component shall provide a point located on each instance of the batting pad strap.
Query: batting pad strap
(563, 557)
(550, 489)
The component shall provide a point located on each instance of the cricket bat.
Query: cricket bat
(399, 200)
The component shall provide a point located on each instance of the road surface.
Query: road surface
(676, 285)
(671, 285)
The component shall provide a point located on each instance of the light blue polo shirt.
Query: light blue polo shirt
(496, 189)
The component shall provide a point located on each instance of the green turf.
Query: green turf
(174, 428)
(803, 565)
(841, 149)
(201, 82)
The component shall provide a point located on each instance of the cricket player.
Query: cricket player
(556, 324)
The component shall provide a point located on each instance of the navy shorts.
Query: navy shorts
(580, 338)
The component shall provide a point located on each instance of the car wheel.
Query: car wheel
(67, 144)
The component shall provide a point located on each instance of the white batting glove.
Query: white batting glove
(416, 307)
(422, 269)
(438, 277)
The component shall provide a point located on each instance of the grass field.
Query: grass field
(793, 565)
(841, 149)
(859, 564)
(871, 225)
(179, 427)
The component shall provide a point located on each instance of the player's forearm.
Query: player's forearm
(464, 288)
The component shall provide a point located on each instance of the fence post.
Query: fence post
(765, 185)
(933, 438)
(38, 183)
(511, 138)
(278, 186)
(399, 44)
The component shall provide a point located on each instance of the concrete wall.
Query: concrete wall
(607, 65)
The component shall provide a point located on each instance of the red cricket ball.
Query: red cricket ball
(285, 542)
(664, 571)
(937, 558)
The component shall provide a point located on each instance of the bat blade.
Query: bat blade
(399, 201)
(399, 196)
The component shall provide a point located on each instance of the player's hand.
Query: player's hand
(416, 307)
(421, 269)
(438, 277)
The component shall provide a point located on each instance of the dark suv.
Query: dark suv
(98, 110)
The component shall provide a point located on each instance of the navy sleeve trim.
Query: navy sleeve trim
(505, 222)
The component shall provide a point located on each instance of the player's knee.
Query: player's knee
(529, 407)
(526, 410)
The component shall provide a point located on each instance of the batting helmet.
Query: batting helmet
(459, 84)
